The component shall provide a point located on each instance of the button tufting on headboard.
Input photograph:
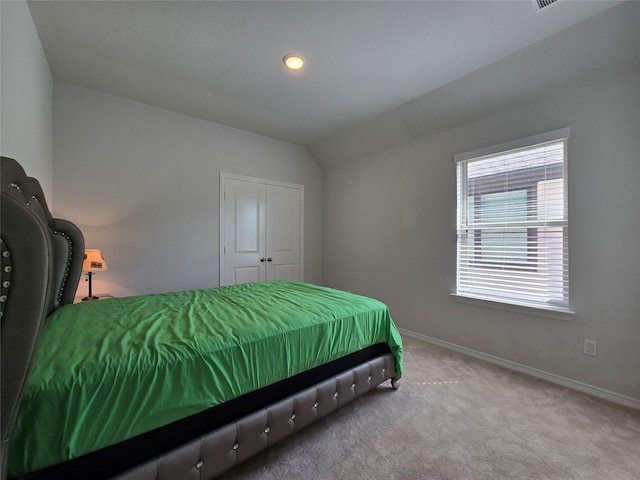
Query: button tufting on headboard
(67, 264)
(41, 269)
(5, 276)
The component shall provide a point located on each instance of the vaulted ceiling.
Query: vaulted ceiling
(222, 61)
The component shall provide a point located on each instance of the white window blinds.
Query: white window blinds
(512, 222)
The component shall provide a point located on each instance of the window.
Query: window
(512, 222)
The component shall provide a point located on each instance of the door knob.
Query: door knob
(269, 259)
(263, 259)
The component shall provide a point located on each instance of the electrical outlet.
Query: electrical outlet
(589, 347)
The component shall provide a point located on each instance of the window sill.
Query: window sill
(550, 312)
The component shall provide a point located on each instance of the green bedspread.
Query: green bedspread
(108, 370)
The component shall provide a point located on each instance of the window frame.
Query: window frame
(512, 303)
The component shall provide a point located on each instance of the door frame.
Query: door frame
(221, 216)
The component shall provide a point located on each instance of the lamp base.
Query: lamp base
(90, 296)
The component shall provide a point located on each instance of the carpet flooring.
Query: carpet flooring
(460, 418)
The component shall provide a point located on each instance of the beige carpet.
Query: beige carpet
(457, 418)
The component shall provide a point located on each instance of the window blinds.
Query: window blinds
(512, 225)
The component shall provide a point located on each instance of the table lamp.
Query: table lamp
(93, 262)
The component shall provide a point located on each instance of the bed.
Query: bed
(180, 385)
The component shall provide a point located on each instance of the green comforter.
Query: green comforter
(108, 370)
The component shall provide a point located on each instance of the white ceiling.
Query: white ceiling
(222, 61)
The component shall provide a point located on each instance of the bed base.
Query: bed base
(224, 448)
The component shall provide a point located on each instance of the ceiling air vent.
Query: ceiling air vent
(544, 3)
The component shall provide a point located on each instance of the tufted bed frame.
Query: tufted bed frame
(41, 267)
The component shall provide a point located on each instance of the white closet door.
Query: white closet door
(244, 232)
(283, 233)
(261, 225)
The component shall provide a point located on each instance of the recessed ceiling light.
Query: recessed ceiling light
(293, 61)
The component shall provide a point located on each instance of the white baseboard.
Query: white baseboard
(557, 379)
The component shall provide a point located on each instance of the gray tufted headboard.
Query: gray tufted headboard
(41, 266)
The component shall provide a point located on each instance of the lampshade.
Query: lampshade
(93, 261)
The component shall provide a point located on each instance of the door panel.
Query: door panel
(283, 272)
(246, 275)
(247, 221)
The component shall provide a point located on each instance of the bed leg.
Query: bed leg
(395, 382)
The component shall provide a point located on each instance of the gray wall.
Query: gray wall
(389, 232)
(143, 185)
(26, 91)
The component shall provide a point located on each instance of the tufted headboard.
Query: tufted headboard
(41, 266)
